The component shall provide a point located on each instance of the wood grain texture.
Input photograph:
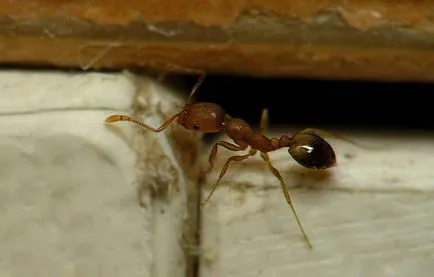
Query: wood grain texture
(257, 60)
(360, 14)
(325, 39)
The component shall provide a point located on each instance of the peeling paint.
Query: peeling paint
(162, 31)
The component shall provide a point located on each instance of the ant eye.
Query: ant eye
(312, 151)
(196, 126)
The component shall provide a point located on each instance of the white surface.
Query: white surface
(401, 163)
(29, 91)
(67, 204)
(68, 197)
(171, 221)
(370, 216)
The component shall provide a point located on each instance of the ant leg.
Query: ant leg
(276, 173)
(118, 117)
(264, 121)
(327, 134)
(195, 87)
(225, 168)
(227, 145)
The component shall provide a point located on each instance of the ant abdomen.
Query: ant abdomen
(312, 151)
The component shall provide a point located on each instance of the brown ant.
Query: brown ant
(307, 147)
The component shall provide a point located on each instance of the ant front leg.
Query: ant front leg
(225, 168)
(227, 145)
(285, 190)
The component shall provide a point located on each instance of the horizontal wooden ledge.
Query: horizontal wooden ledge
(262, 60)
(278, 38)
(358, 14)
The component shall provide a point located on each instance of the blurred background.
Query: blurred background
(382, 106)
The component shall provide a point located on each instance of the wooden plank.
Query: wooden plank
(344, 39)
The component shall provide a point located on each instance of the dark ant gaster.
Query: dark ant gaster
(307, 147)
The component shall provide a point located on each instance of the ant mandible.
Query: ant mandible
(307, 147)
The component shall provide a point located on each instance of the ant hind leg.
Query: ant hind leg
(326, 134)
(285, 190)
(223, 171)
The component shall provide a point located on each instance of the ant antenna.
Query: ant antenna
(118, 117)
(195, 87)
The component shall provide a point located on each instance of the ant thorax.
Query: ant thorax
(238, 129)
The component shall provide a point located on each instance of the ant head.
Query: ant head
(312, 151)
(202, 117)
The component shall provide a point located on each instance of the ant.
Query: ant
(307, 147)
